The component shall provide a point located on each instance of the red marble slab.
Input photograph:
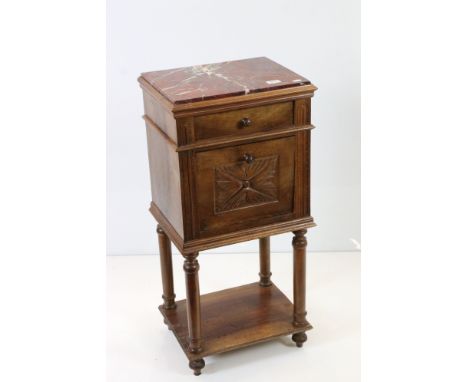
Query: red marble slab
(224, 79)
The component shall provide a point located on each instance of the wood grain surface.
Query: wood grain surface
(229, 155)
(236, 317)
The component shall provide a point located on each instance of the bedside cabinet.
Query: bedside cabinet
(229, 156)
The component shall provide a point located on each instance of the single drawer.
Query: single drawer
(244, 186)
(244, 121)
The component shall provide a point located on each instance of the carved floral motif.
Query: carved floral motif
(246, 184)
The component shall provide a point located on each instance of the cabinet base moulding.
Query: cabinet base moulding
(230, 238)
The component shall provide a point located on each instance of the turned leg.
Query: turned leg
(196, 365)
(265, 273)
(299, 247)
(165, 256)
(191, 268)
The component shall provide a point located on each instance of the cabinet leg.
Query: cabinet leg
(166, 269)
(196, 365)
(299, 246)
(264, 244)
(191, 268)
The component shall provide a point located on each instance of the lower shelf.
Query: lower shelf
(236, 317)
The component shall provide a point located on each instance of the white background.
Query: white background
(317, 39)
(52, 220)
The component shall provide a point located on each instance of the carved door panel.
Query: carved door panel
(242, 186)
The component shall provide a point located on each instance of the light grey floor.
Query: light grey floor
(141, 349)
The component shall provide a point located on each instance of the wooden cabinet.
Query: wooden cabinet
(229, 155)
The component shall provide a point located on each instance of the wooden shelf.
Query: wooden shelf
(234, 318)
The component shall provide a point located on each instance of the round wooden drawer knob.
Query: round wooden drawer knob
(249, 158)
(245, 122)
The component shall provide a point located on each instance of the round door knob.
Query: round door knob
(249, 158)
(245, 122)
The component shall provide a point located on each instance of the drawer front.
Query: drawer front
(244, 186)
(244, 121)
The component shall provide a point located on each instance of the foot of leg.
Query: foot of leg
(196, 365)
(299, 338)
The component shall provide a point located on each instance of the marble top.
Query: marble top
(224, 79)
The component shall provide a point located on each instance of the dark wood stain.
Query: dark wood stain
(250, 314)
(244, 121)
(229, 154)
(244, 194)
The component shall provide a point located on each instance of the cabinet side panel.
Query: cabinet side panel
(302, 185)
(165, 178)
(160, 116)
